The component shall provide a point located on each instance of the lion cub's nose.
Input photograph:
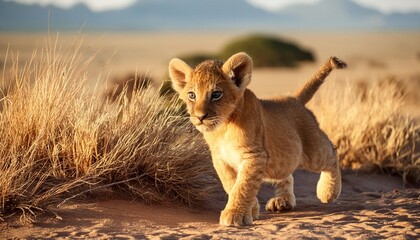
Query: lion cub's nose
(201, 117)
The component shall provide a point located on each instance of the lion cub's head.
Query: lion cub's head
(212, 90)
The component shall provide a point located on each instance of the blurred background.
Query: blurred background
(378, 39)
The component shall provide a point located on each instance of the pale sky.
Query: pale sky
(94, 5)
(385, 6)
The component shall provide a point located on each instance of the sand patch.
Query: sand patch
(371, 206)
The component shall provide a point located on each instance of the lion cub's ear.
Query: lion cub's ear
(239, 69)
(179, 71)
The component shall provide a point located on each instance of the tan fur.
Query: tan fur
(253, 140)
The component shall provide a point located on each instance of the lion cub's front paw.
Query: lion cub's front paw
(283, 203)
(231, 217)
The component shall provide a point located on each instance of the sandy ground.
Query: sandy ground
(370, 207)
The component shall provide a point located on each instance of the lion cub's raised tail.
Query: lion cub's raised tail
(308, 90)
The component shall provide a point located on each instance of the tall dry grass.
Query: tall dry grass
(370, 128)
(59, 141)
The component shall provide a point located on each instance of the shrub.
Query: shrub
(267, 51)
(130, 83)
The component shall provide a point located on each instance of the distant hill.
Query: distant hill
(333, 14)
(345, 14)
(202, 14)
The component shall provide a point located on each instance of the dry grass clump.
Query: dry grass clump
(57, 140)
(370, 128)
(130, 83)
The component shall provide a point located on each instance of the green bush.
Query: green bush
(267, 51)
(195, 59)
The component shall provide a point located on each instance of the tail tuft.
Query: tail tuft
(337, 63)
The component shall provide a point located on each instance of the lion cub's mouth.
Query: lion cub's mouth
(206, 125)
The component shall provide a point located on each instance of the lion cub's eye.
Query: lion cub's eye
(191, 96)
(216, 95)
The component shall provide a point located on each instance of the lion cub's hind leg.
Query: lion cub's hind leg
(284, 198)
(328, 188)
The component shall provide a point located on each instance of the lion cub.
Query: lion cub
(253, 140)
